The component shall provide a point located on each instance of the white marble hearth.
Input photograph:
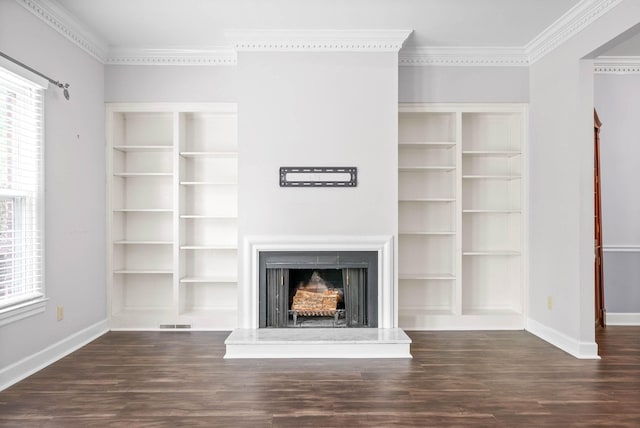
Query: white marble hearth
(318, 343)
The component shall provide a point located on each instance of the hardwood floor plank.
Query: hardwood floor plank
(169, 379)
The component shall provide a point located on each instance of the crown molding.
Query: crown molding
(572, 22)
(174, 56)
(617, 65)
(60, 20)
(464, 56)
(318, 40)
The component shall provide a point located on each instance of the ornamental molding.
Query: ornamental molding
(54, 15)
(617, 65)
(318, 40)
(174, 56)
(464, 56)
(572, 22)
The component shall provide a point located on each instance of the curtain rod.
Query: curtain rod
(63, 86)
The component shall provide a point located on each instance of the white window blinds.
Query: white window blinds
(21, 165)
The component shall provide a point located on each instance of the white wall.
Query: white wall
(617, 99)
(317, 109)
(431, 84)
(152, 83)
(561, 185)
(440, 84)
(327, 109)
(75, 196)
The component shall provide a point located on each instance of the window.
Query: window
(21, 140)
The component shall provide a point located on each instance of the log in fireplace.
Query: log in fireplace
(318, 289)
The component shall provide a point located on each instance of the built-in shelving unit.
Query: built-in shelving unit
(461, 216)
(172, 205)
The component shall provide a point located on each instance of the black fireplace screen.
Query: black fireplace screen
(318, 289)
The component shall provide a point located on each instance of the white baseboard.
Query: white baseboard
(582, 350)
(33, 363)
(622, 318)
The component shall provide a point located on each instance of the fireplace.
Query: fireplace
(332, 258)
(327, 289)
(253, 247)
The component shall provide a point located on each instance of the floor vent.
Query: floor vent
(174, 326)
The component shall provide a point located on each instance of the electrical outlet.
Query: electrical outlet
(60, 313)
(549, 302)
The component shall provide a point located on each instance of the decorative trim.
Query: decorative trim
(582, 350)
(174, 56)
(617, 65)
(36, 362)
(318, 40)
(54, 15)
(622, 318)
(464, 56)
(248, 316)
(22, 310)
(571, 23)
(621, 248)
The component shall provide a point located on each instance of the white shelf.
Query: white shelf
(219, 155)
(210, 247)
(428, 200)
(492, 177)
(426, 276)
(492, 153)
(163, 159)
(498, 312)
(205, 216)
(492, 211)
(426, 233)
(143, 210)
(143, 242)
(426, 168)
(491, 253)
(428, 144)
(156, 148)
(419, 311)
(208, 280)
(143, 174)
(472, 243)
(143, 272)
(207, 183)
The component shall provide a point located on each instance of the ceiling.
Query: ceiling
(202, 23)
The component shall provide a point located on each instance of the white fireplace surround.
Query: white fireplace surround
(248, 287)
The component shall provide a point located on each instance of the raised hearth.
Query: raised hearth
(318, 343)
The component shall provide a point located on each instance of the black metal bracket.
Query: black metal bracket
(291, 176)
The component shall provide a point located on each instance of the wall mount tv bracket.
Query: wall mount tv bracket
(299, 176)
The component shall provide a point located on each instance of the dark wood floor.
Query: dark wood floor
(506, 379)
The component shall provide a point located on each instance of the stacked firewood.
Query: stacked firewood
(305, 301)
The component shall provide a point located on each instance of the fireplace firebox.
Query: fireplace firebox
(318, 289)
